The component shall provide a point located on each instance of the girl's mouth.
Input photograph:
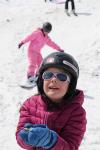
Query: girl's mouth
(55, 88)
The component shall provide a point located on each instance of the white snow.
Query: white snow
(79, 36)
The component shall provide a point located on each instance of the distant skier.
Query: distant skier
(37, 40)
(72, 6)
(46, 0)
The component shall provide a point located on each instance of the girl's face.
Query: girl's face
(46, 33)
(53, 87)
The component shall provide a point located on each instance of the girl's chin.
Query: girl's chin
(55, 98)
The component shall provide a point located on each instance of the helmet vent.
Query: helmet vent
(70, 65)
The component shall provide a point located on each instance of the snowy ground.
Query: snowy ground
(79, 36)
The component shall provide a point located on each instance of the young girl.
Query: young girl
(54, 119)
(37, 40)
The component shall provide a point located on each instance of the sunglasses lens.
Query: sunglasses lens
(47, 75)
(61, 77)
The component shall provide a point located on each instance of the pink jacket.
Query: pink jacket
(69, 121)
(37, 40)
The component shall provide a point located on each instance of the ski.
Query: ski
(27, 88)
(69, 14)
(75, 14)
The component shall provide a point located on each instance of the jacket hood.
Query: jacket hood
(78, 97)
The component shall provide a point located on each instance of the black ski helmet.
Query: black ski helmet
(47, 27)
(63, 61)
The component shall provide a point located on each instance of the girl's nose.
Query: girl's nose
(54, 79)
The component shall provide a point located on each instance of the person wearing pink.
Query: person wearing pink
(54, 119)
(36, 42)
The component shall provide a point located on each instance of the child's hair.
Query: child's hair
(63, 61)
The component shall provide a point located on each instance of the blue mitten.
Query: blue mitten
(28, 125)
(24, 133)
(38, 135)
(42, 136)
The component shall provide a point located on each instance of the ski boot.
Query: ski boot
(29, 83)
(74, 13)
(66, 11)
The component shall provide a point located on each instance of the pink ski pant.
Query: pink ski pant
(34, 62)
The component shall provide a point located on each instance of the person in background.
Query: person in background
(46, 0)
(54, 119)
(36, 41)
(72, 7)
